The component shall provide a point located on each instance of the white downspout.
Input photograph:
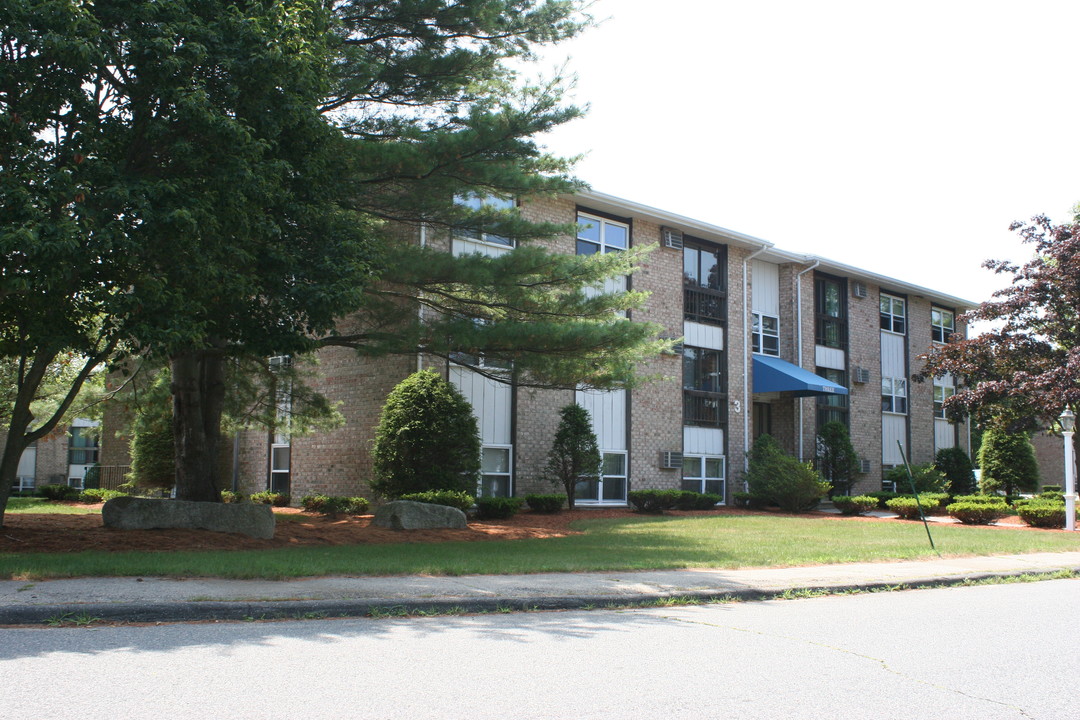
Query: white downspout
(798, 337)
(747, 357)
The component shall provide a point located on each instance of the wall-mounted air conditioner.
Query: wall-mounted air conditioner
(670, 460)
(858, 289)
(671, 238)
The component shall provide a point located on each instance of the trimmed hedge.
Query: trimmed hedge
(58, 492)
(545, 503)
(905, 507)
(882, 497)
(98, 495)
(459, 499)
(977, 513)
(228, 496)
(981, 498)
(268, 497)
(653, 501)
(749, 500)
(334, 504)
(935, 503)
(1042, 513)
(497, 508)
(690, 500)
(854, 505)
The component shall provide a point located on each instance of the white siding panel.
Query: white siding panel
(766, 288)
(608, 412)
(490, 401)
(892, 356)
(27, 463)
(828, 357)
(465, 246)
(893, 429)
(944, 434)
(703, 336)
(703, 441)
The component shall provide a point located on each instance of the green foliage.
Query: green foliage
(57, 492)
(99, 495)
(882, 497)
(334, 504)
(269, 497)
(935, 502)
(153, 451)
(741, 499)
(955, 465)
(906, 507)
(927, 478)
(426, 439)
(653, 501)
(545, 503)
(228, 496)
(1051, 488)
(783, 480)
(463, 501)
(1042, 513)
(1007, 461)
(977, 513)
(854, 505)
(980, 498)
(836, 458)
(690, 500)
(497, 508)
(574, 453)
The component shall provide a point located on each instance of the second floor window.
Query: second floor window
(766, 334)
(830, 312)
(893, 314)
(942, 324)
(600, 235)
(705, 283)
(493, 202)
(941, 394)
(894, 395)
(82, 447)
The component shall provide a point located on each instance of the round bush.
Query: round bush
(653, 501)
(497, 508)
(854, 505)
(545, 503)
(1042, 514)
(463, 501)
(58, 492)
(977, 513)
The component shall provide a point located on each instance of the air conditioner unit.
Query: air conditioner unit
(858, 289)
(864, 466)
(670, 460)
(861, 375)
(672, 238)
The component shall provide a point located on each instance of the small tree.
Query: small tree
(925, 478)
(955, 464)
(1007, 461)
(836, 458)
(427, 439)
(575, 454)
(779, 479)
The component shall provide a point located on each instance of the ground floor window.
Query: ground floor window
(280, 461)
(495, 471)
(704, 474)
(610, 486)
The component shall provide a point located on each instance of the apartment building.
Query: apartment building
(61, 458)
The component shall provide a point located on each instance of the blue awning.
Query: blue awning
(771, 374)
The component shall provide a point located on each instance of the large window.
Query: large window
(704, 387)
(942, 324)
(610, 486)
(486, 202)
(894, 395)
(942, 392)
(893, 314)
(83, 446)
(705, 283)
(830, 312)
(703, 474)
(280, 470)
(831, 407)
(495, 471)
(766, 334)
(596, 234)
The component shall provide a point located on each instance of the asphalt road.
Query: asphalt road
(987, 652)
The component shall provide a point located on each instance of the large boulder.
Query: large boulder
(132, 513)
(410, 515)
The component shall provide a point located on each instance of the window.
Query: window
(942, 392)
(610, 486)
(830, 312)
(704, 387)
(83, 447)
(831, 407)
(894, 395)
(705, 283)
(597, 234)
(495, 471)
(486, 202)
(766, 334)
(893, 314)
(942, 324)
(280, 435)
(704, 474)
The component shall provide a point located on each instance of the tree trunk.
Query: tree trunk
(198, 390)
(14, 445)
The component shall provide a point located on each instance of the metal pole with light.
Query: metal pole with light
(1068, 422)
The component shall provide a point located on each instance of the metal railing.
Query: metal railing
(705, 306)
(704, 409)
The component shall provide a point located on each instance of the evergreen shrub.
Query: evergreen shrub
(690, 500)
(653, 501)
(334, 504)
(461, 500)
(545, 503)
(956, 466)
(1042, 513)
(854, 505)
(98, 495)
(58, 492)
(269, 497)
(781, 479)
(497, 508)
(882, 497)
(228, 496)
(1007, 461)
(977, 513)
(927, 478)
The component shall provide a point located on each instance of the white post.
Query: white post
(1067, 423)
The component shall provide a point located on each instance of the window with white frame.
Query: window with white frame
(600, 235)
(942, 392)
(495, 464)
(893, 314)
(484, 202)
(942, 324)
(894, 395)
(279, 479)
(610, 485)
(704, 474)
(83, 446)
(766, 334)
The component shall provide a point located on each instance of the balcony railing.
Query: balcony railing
(704, 306)
(831, 332)
(704, 409)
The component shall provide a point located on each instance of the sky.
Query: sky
(902, 138)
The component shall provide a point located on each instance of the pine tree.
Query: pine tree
(1008, 462)
(574, 454)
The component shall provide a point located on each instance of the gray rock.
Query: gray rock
(132, 513)
(409, 515)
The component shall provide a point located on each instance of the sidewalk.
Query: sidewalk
(175, 600)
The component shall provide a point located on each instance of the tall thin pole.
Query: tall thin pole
(914, 492)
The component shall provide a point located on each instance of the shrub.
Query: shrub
(463, 501)
(854, 505)
(905, 507)
(1007, 461)
(497, 508)
(836, 458)
(269, 497)
(690, 500)
(955, 465)
(926, 478)
(58, 492)
(427, 439)
(782, 479)
(741, 499)
(977, 513)
(1051, 488)
(574, 453)
(97, 495)
(983, 499)
(153, 453)
(549, 504)
(1042, 513)
(228, 496)
(882, 497)
(334, 504)
(1052, 495)
(653, 501)
(935, 502)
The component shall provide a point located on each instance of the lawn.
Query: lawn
(35, 505)
(630, 543)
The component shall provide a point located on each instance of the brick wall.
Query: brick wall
(864, 400)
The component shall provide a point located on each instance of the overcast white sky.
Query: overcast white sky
(898, 137)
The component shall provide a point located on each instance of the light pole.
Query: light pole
(1068, 422)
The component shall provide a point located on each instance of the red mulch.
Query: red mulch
(24, 533)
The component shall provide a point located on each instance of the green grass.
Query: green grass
(633, 543)
(18, 505)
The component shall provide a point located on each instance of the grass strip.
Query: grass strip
(41, 506)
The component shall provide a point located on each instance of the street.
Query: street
(985, 652)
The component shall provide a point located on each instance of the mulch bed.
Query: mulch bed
(25, 533)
